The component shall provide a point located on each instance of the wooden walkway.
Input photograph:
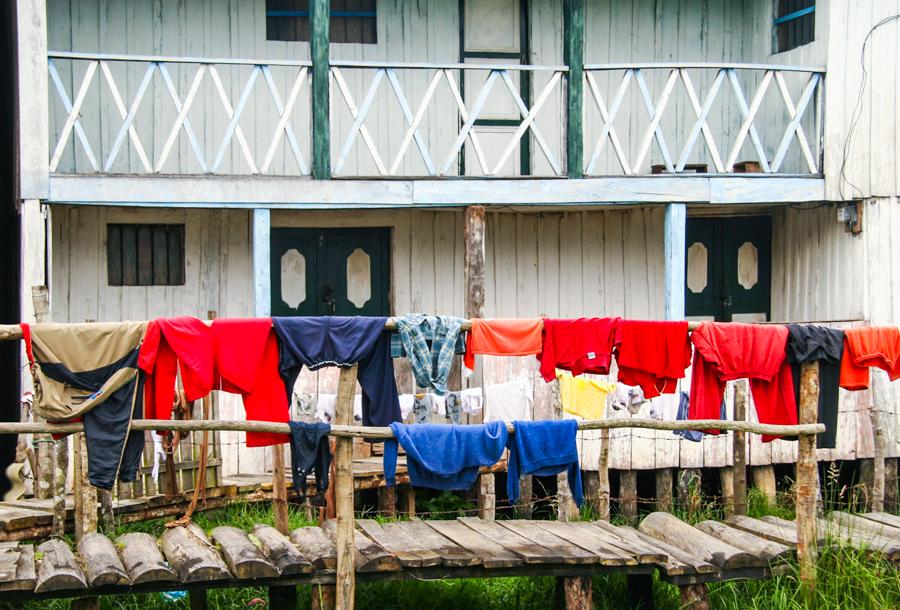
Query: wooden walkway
(741, 547)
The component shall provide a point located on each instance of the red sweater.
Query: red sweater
(238, 356)
(653, 355)
(730, 351)
(580, 346)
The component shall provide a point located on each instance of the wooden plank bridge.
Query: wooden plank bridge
(189, 558)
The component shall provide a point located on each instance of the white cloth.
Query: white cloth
(325, 408)
(406, 405)
(513, 400)
(158, 455)
(472, 400)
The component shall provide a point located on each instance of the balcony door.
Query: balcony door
(729, 268)
(495, 32)
(342, 272)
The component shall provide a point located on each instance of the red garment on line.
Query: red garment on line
(653, 355)
(864, 347)
(727, 351)
(238, 356)
(579, 346)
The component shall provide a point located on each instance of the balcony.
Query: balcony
(126, 115)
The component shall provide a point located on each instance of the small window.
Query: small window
(145, 255)
(351, 21)
(795, 24)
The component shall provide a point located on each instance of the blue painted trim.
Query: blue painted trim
(795, 15)
(370, 14)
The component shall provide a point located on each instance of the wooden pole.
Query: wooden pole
(664, 489)
(566, 508)
(628, 494)
(279, 490)
(345, 579)
(739, 449)
(726, 479)
(764, 481)
(807, 480)
(44, 476)
(573, 56)
(880, 401)
(319, 40)
(60, 467)
(387, 501)
(408, 501)
(675, 231)
(603, 492)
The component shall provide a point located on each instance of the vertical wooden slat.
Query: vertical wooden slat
(345, 580)
(160, 254)
(114, 255)
(807, 479)
(144, 255)
(175, 256)
(319, 12)
(573, 56)
(262, 273)
(739, 448)
(129, 256)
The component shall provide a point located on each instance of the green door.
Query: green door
(729, 268)
(342, 272)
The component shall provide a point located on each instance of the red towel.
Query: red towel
(653, 355)
(239, 356)
(734, 351)
(865, 347)
(579, 346)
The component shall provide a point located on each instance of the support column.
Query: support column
(807, 480)
(603, 476)
(739, 450)
(474, 280)
(345, 579)
(282, 596)
(880, 404)
(319, 17)
(262, 263)
(764, 481)
(408, 501)
(573, 56)
(664, 489)
(34, 100)
(674, 247)
(387, 501)
(628, 494)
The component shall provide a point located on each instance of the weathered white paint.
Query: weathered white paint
(33, 94)
(297, 193)
(262, 278)
(674, 244)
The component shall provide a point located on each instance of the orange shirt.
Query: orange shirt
(864, 347)
(502, 337)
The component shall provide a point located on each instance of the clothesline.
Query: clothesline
(379, 432)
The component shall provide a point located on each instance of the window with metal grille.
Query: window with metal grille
(144, 255)
(795, 24)
(351, 21)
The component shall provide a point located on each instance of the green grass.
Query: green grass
(847, 579)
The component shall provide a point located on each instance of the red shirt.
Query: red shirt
(579, 346)
(653, 355)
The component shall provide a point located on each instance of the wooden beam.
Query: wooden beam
(739, 449)
(345, 579)
(279, 490)
(34, 97)
(262, 273)
(807, 480)
(675, 231)
(293, 193)
(319, 17)
(573, 57)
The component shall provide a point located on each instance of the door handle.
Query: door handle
(328, 297)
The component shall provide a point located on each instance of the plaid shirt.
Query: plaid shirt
(430, 364)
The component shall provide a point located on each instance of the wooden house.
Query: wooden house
(642, 158)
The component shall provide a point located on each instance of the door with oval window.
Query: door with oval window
(729, 268)
(341, 272)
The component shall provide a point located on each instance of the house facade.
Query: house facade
(648, 159)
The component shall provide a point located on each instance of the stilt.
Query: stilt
(807, 480)
(197, 599)
(279, 491)
(664, 489)
(576, 592)
(345, 578)
(689, 481)
(640, 591)
(408, 501)
(891, 490)
(628, 493)
(694, 597)
(739, 449)
(387, 501)
(764, 481)
(603, 476)
(726, 478)
(283, 597)
(526, 493)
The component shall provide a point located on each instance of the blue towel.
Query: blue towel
(439, 456)
(543, 448)
(692, 435)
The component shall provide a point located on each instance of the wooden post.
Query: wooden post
(880, 402)
(807, 479)
(387, 501)
(85, 493)
(726, 478)
(408, 501)
(694, 597)
(279, 490)
(573, 56)
(664, 489)
(675, 230)
(60, 467)
(319, 17)
(739, 449)
(764, 481)
(689, 481)
(197, 599)
(566, 508)
(262, 263)
(578, 593)
(590, 480)
(603, 478)
(40, 302)
(890, 485)
(107, 518)
(474, 278)
(345, 579)
(628, 494)
(526, 497)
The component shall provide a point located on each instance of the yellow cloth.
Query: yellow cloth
(583, 397)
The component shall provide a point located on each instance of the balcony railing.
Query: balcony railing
(129, 114)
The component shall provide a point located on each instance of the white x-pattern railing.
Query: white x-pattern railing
(632, 164)
(159, 65)
(464, 122)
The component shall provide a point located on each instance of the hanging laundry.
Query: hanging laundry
(422, 409)
(442, 456)
(811, 343)
(472, 400)
(303, 406)
(454, 407)
(580, 346)
(232, 355)
(583, 397)
(503, 337)
(310, 453)
(316, 342)
(543, 448)
(90, 371)
(325, 408)
(694, 436)
(509, 401)
(727, 351)
(653, 355)
(407, 402)
(864, 347)
(430, 364)
(628, 397)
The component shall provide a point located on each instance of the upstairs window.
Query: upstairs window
(795, 24)
(351, 21)
(144, 255)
